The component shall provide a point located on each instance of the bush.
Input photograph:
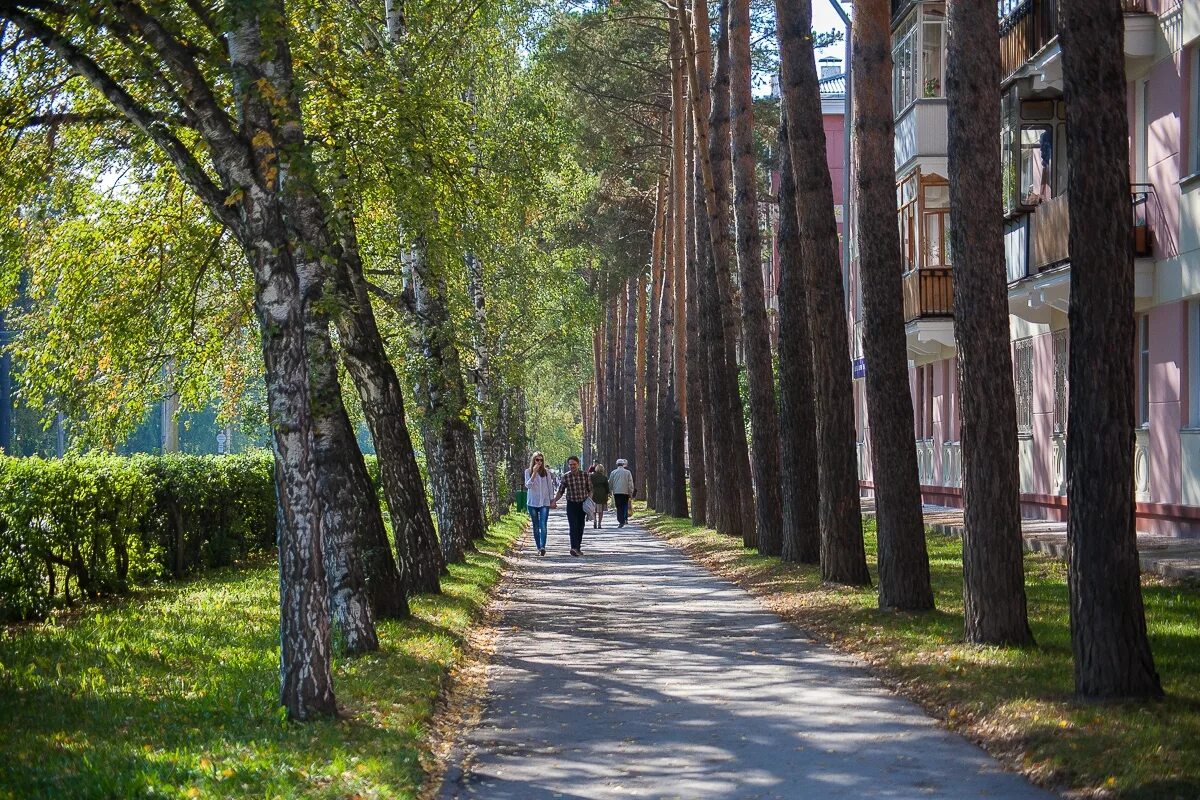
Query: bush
(96, 525)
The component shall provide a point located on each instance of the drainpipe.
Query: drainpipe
(847, 126)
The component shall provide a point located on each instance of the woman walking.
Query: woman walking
(540, 486)
(600, 493)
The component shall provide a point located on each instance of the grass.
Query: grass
(173, 693)
(1018, 702)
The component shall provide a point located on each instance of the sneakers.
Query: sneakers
(575, 552)
(541, 551)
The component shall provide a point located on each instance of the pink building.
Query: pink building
(1162, 48)
(833, 110)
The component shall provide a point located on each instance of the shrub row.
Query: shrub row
(95, 525)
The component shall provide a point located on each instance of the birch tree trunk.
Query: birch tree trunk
(449, 442)
(993, 556)
(487, 404)
(843, 554)
(903, 560)
(1108, 622)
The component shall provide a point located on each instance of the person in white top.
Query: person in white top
(620, 480)
(540, 485)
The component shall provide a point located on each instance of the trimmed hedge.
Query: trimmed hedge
(96, 525)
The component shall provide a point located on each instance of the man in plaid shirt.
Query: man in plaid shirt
(576, 485)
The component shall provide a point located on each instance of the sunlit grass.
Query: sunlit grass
(1019, 701)
(173, 693)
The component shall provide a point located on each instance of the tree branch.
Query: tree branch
(190, 170)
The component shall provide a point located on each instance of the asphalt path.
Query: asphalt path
(632, 672)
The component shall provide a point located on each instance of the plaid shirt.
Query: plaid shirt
(577, 486)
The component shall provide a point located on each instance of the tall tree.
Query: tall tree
(240, 177)
(628, 376)
(710, 113)
(697, 424)
(903, 560)
(756, 338)
(843, 554)
(993, 558)
(1108, 623)
(382, 399)
(449, 442)
(797, 428)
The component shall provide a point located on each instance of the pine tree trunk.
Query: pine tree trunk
(1108, 623)
(654, 381)
(628, 378)
(735, 507)
(695, 367)
(801, 500)
(640, 371)
(993, 556)
(903, 559)
(843, 555)
(756, 335)
(719, 155)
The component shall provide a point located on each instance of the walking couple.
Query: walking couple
(579, 487)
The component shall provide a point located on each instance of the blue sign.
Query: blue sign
(858, 368)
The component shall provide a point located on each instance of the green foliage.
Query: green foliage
(98, 525)
(173, 693)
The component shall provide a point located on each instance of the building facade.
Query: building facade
(1162, 58)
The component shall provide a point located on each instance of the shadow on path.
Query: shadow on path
(633, 672)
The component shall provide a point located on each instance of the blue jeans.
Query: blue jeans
(539, 516)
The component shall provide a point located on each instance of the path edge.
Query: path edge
(1008, 758)
(458, 707)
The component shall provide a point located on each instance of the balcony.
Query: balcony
(928, 292)
(921, 134)
(1028, 26)
(929, 314)
(1037, 253)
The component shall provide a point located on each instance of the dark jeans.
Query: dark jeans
(575, 520)
(622, 502)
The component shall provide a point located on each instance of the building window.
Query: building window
(1023, 379)
(908, 210)
(950, 417)
(929, 401)
(1061, 359)
(1193, 346)
(1143, 369)
(933, 62)
(1194, 114)
(1037, 164)
(904, 66)
(919, 404)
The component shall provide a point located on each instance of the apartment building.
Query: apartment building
(1162, 58)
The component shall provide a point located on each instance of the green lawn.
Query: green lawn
(1019, 702)
(173, 692)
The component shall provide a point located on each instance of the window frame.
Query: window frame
(1143, 370)
(1023, 385)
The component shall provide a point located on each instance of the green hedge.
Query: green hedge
(95, 525)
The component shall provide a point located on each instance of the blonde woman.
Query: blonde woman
(540, 485)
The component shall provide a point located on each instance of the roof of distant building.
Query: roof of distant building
(833, 87)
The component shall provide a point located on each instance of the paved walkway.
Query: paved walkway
(634, 673)
(1172, 557)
